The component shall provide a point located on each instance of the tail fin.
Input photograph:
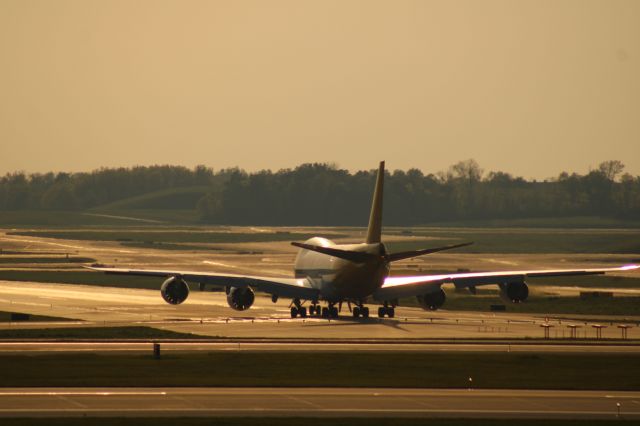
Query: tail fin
(375, 218)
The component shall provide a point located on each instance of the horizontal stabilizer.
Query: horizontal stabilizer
(394, 257)
(353, 256)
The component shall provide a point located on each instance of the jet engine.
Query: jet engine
(174, 290)
(514, 292)
(240, 298)
(432, 301)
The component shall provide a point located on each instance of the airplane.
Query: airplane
(351, 273)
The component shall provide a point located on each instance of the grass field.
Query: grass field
(353, 369)
(544, 222)
(307, 421)
(526, 241)
(164, 236)
(82, 277)
(546, 305)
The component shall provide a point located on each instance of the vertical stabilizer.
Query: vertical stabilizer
(375, 218)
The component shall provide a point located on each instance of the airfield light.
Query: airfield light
(598, 328)
(624, 328)
(574, 330)
(546, 327)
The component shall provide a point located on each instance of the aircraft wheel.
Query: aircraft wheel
(365, 312)
(294, 312)
(381, 312)
(391, 312)
(334, 312)
(303, 312)
(356, 312)
(325, 312)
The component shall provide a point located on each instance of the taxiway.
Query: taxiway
(317, 402)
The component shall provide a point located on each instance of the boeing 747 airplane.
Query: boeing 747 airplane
(332, 274)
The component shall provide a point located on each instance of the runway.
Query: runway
(316, 402)
(18, 347)
(207, 314)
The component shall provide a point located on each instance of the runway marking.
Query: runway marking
(186, 401)
(17, 302)
(71, 401)
(226, 265)
(418, 401)
(304, 401)
(500, 262)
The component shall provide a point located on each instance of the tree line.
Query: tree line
(323, 194)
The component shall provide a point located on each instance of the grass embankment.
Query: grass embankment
(96, 333)
(307, 421)
(353, 369)
(57, 219)
(165, 199)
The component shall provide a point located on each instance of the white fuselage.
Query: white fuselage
(339, 279)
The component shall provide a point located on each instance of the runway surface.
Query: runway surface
(316, 402)
(147, 347)
(207, 314)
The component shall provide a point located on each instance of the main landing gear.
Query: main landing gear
(298, 309)
(295, 311)
(315, 310)
(386, 310)
(330, 311)
(360, 311)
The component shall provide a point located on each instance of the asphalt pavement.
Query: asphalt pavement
(317, 402)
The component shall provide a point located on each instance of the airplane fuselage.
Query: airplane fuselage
(339, 279)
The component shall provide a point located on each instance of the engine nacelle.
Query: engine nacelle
(240, 298)
(174, 290)
(515, 292)
(432, 301)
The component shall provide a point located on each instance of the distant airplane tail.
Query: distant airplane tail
(374, 231)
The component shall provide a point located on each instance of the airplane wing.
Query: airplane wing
(397, 287)
(283, 287)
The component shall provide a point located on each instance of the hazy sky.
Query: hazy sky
(529, 87)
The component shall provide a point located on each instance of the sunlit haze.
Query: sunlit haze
(528, 87)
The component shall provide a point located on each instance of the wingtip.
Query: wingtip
(629, 267)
